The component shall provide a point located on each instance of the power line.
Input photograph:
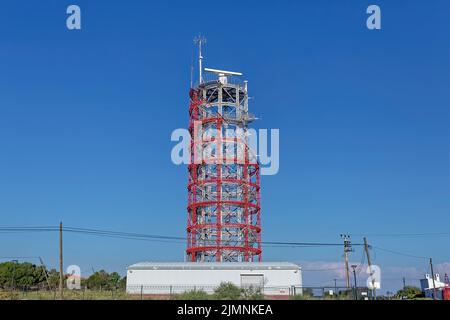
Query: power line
(177, 239)
(308, 243)
(124, 237)
(55, 228)
(34, 228)
(19, 258)
(319, 270)
(402, 235)
(95, 232)
(152, 237)
(400, 253)
(85, 230)
(138, 235)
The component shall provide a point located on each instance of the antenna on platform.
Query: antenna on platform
(200, 40)
(222, 74)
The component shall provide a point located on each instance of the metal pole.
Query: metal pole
(60, 261)
(335, 286)
(200, 40)
(354, 276)
(200, 58)
(434, 283)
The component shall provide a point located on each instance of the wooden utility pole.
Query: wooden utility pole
(369, 262)
(347, 249)
(434, 283)
(61, 278)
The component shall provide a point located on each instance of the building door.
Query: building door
(256, 281)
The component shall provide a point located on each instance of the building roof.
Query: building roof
(213, 265)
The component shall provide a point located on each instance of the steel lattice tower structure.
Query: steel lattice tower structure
(224, 213)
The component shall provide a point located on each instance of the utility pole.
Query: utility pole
(347, 249)
(369, 262)
(404, 283)
(200, 41)
(432, 276)
(335, 286)
(354, 276)
(60, 261)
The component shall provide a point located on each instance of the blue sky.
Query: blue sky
(86, 118)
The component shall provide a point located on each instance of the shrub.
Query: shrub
(252, 294)
(300, 297)
(9, 296)
(192, 295)
(409, 292)
(227, 291)
(307, 294)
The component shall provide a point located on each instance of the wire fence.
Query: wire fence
(145, 292)
(30, 293)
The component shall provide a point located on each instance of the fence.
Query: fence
(142, 292)
(323, 292)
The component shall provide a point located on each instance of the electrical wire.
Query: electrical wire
(400, 253)
(402, 235)
(320, 270)
(179, 240)
(153, 237)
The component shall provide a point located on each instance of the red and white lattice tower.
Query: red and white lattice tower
(224, 213)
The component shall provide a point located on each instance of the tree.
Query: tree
(123, 283)
(14, 274)
(26, 275)
(53, 278)
(98, 280)
(113, 280)
(103, 280)
(409, 292)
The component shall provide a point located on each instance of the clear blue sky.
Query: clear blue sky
(86, 118)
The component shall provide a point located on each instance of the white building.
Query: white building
(428, 288)
(272, 278)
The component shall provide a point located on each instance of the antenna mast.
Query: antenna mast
(200, 40)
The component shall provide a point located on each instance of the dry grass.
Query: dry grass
(70, 295)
